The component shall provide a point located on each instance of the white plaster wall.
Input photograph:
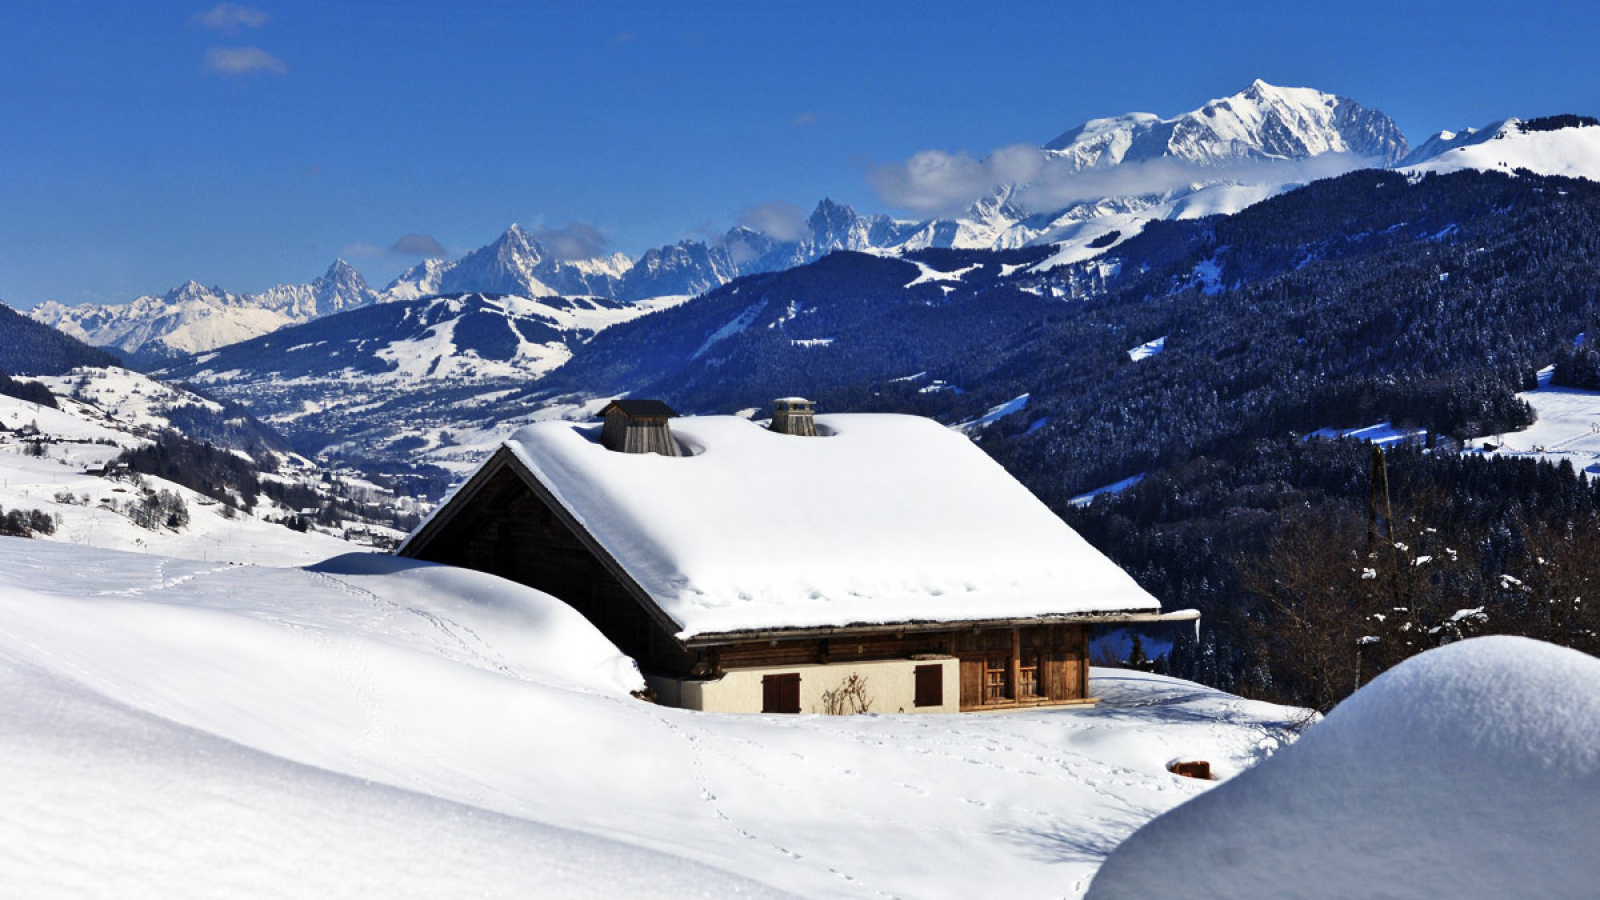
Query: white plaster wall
(890, 684)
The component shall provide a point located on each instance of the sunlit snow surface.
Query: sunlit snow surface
(1504, 147)
(1116, 487)
(371, 727)
(1384, 434)
(1472, 770)
(1148, 349)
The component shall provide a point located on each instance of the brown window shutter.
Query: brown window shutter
(769, 693)
(930, 685)
(780, 693)
(791, 693)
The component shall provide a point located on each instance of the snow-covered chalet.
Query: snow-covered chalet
(755, 568)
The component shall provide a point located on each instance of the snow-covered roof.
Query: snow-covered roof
(882, 519)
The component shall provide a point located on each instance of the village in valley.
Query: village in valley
(1195, 505)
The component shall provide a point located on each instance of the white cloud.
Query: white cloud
(808, 117)
(424, 245)
(243, 61)
(577, 240)
(361, 251)
(934, 182)
(229, 18)
(779, 220)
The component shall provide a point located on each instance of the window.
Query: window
(930, 685)
(780, 693)
(995, 688)
(1028, 678)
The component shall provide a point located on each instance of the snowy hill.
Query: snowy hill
(1468, 771)
(471, 335)
(410, 730)
(1557, 145)
(55, 460)
(416, 373)
(194, 318)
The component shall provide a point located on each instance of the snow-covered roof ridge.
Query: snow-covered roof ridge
(889, 519)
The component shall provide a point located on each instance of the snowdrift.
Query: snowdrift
(1469, 771)
(379, 727)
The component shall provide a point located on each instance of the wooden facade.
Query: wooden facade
(506, 523)
(1002, 667)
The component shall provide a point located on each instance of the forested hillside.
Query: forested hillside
(29, 348)
(1352, 300)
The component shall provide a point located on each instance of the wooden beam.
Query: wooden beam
(713, 638)
(1016, 664)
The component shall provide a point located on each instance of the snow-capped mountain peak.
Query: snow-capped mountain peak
(516, 262)
(1261, 122)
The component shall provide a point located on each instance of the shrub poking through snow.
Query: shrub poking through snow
(849, 698)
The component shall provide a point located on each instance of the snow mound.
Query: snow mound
(1469, 771)
(101, 799)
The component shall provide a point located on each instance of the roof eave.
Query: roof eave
(1107, 617)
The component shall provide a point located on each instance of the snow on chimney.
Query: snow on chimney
(794, 415)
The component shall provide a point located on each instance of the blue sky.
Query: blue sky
(248, 144)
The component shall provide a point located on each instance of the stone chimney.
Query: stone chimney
(794, 415)
(639, 426)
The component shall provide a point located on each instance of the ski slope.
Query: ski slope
(376, 727)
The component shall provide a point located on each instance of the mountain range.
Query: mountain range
(1098, 185)
(192, 317)
(409, 373)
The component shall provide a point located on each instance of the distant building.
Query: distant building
(749, 570)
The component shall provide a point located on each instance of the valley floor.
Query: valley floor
(375, 726)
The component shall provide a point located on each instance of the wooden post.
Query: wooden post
(1016, 664)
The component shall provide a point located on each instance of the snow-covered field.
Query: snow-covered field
(1568, 427)
(385, 728)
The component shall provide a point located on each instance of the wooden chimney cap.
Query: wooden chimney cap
(639, 409)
